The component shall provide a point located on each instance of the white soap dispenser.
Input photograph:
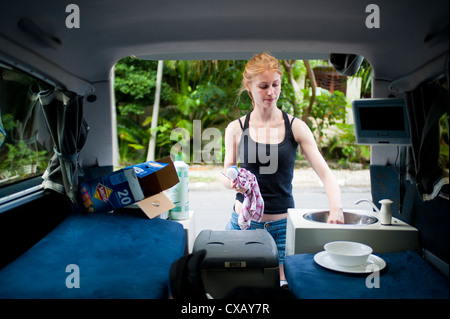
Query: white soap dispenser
(385, 212)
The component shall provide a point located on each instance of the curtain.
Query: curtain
(425, 106)
(63, 112)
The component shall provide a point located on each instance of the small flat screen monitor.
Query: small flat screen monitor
(381, 121)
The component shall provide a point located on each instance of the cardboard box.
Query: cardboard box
(142, 184)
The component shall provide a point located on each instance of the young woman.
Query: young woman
(265, 142)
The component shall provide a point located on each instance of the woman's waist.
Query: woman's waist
(273, 217)
(273, 203)
(266, 216)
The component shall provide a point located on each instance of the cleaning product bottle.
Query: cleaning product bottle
(179, 194)
(232, 172)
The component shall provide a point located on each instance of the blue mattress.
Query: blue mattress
(115, 256)
(406, 276)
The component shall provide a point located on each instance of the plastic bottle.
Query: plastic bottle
(179, 194)
(385, 212)
(232, 172)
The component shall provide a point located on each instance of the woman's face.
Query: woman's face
(265, 89)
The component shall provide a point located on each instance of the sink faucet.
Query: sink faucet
(385, 213)
(370, 202)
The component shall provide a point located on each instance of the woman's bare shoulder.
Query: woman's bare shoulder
(235, 125)
(300, 129)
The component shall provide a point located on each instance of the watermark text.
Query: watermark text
(373, 19)
(73, 19)
(207, 146)
(73, 279)
(373, 280)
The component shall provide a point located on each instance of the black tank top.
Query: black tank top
(273, 166)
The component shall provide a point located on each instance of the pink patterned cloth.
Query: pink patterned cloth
(253, 205)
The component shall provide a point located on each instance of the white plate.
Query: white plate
(324, 260)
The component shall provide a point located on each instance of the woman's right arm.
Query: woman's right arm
(232, 135)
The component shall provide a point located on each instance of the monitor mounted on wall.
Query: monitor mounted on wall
(381, 121)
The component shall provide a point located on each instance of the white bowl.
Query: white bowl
(348, 253)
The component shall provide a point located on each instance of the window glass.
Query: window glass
(25, 145)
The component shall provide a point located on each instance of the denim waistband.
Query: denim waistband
(262, 225)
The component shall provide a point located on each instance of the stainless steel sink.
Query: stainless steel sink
(349, 218)
(307, 231)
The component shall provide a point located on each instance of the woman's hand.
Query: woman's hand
(238, 189)
(336, 216)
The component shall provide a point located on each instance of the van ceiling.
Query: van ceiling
(411, 32)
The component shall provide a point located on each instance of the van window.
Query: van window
(25, 145)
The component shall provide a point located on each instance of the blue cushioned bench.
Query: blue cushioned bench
(118, 255)
(406, 276)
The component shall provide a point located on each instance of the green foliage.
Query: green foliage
(22, 159)
(191, 90)
(19, 159)
(133, 141)
(365, 72)
(343, 146)
(134, 86)
(328, 110)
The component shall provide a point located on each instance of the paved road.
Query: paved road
(212, 207)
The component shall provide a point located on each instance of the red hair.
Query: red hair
(258, 64)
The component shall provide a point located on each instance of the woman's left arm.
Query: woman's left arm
(305, 139)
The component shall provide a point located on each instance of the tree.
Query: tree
(135, 82)
(312, 82)
(190, 90)
(289, 67)
(328, 110)
(152, 144)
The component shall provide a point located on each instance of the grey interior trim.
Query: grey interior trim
(15, 55)
(438, 263)
(21, 198)
(412, 80)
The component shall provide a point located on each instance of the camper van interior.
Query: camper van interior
(57, 93)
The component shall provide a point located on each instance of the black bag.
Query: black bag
(186, 277)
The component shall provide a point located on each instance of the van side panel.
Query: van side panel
(431, 218)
